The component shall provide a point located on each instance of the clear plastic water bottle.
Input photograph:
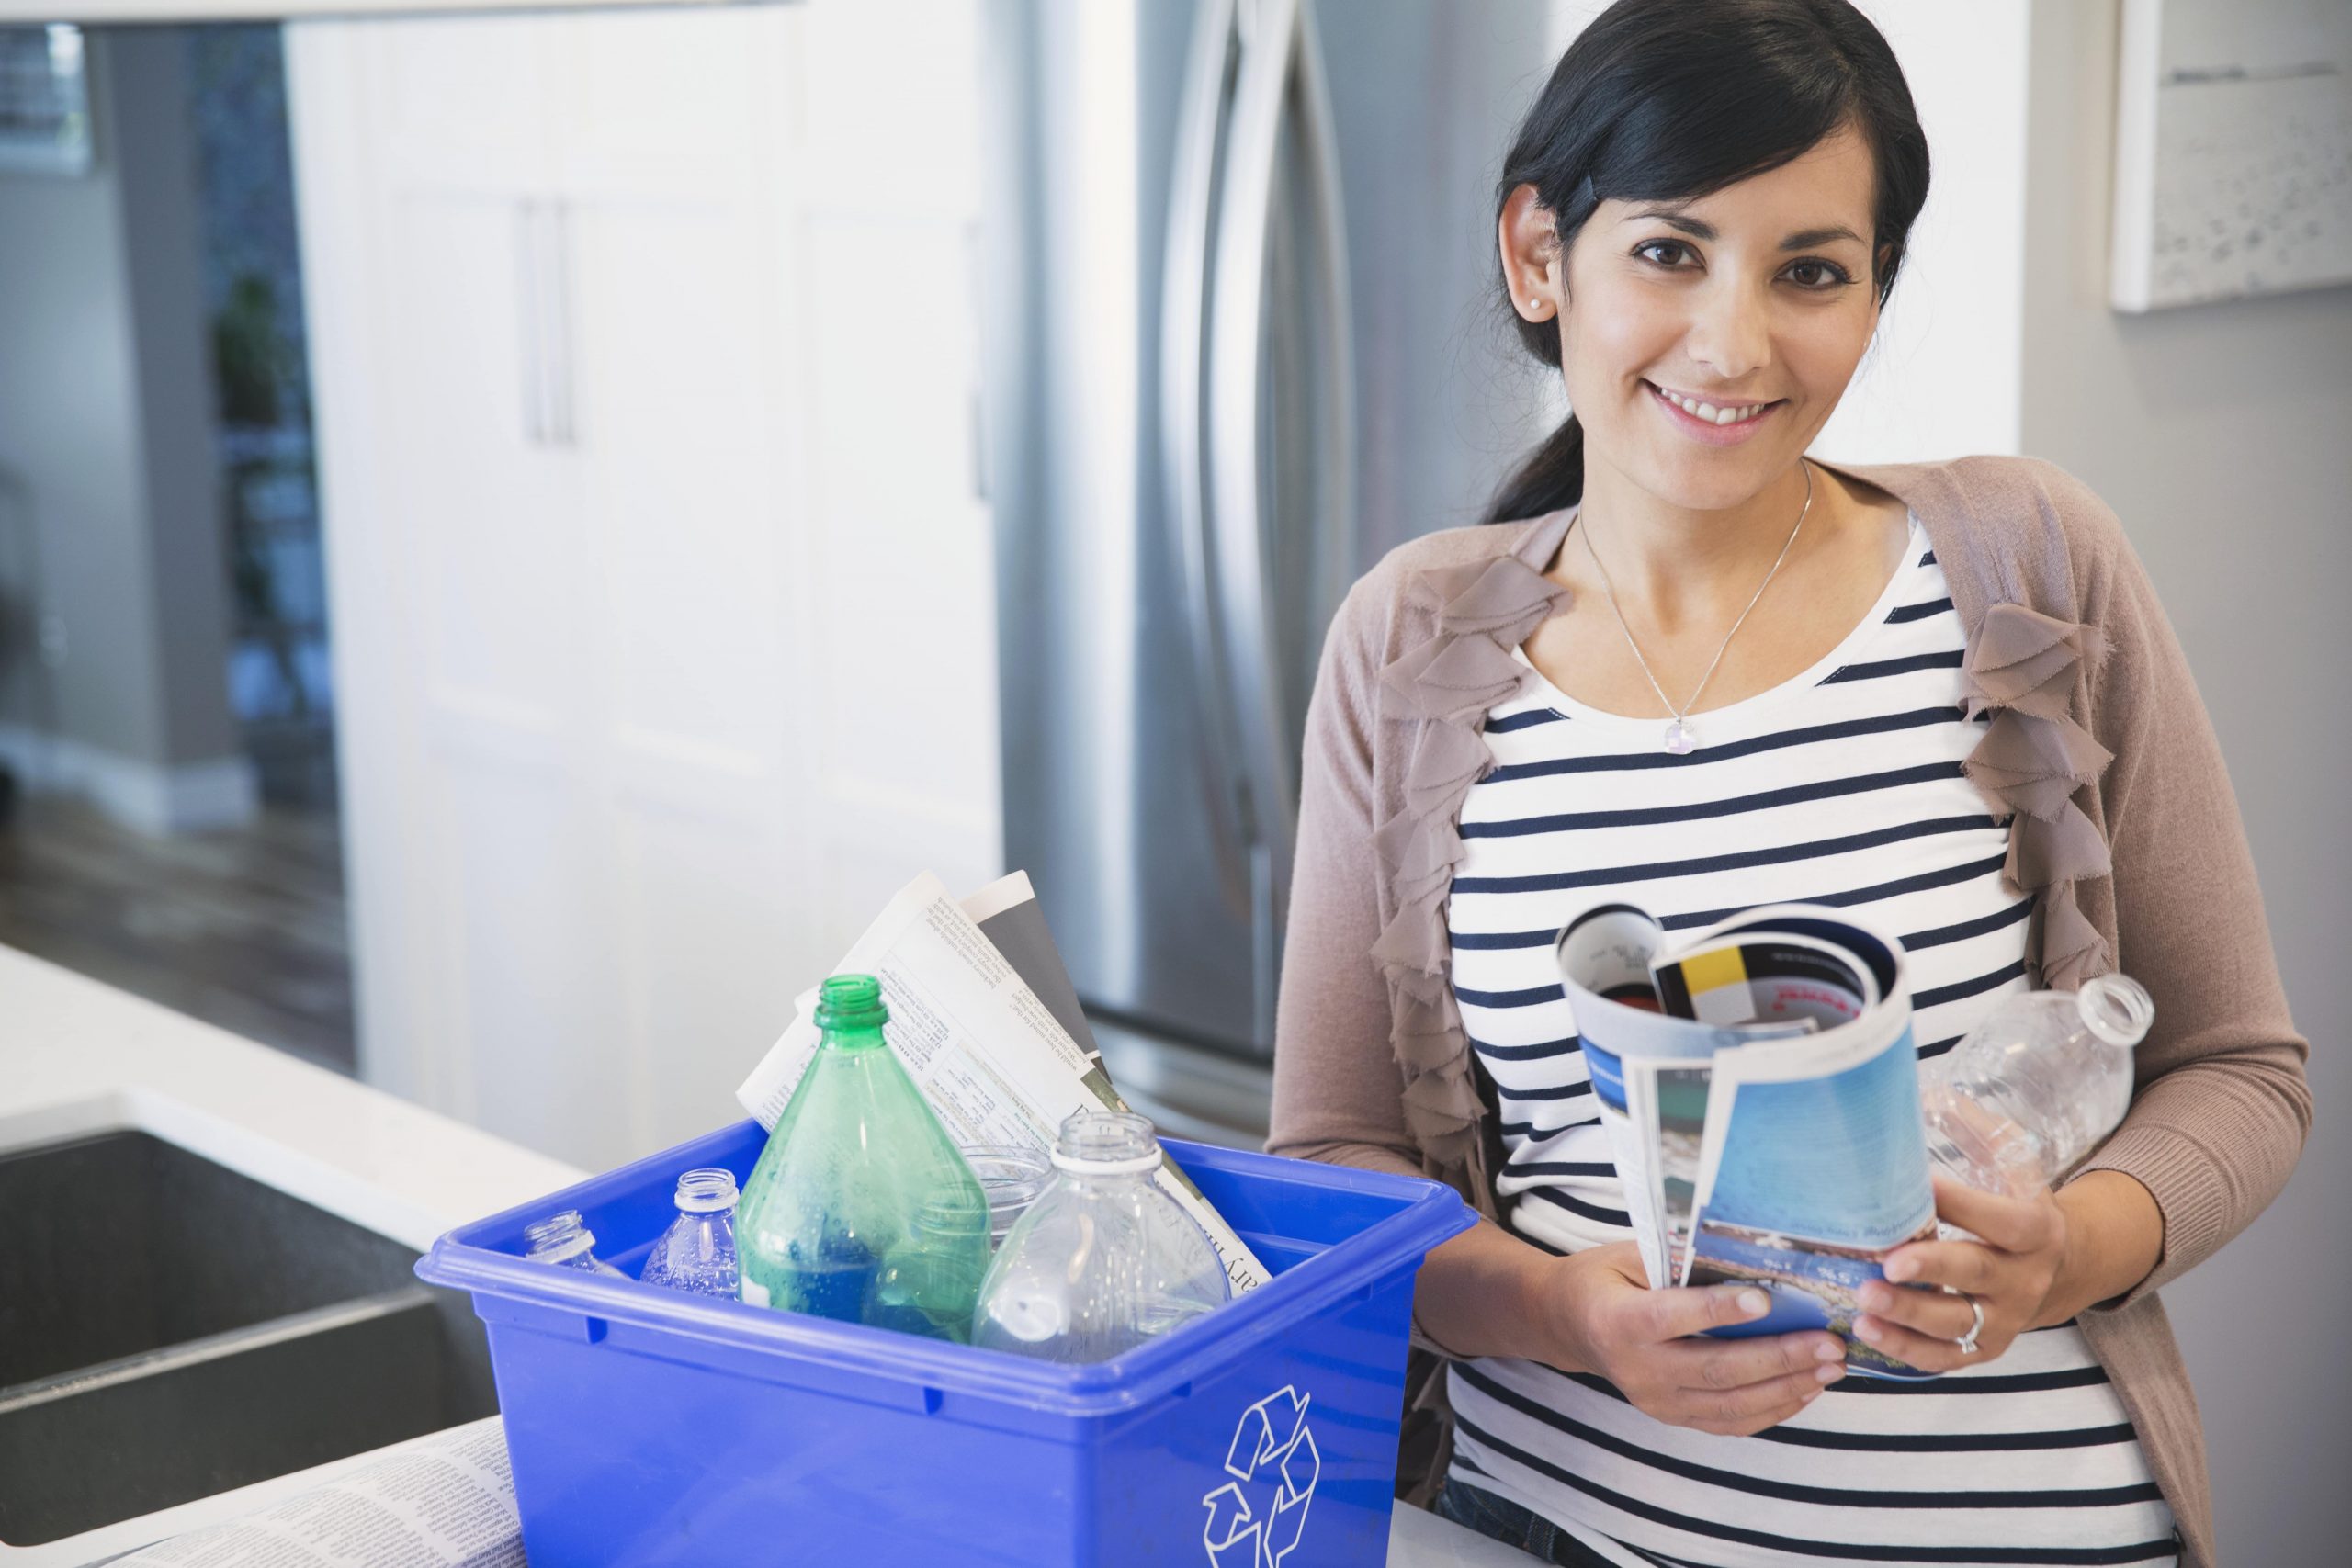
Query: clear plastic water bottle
(934, 1278)
(698, 1252)
(1011, 1176)
(2037, 1085)
(565, 1241)
(1103, 1259)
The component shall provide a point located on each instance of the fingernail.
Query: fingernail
(1865, 1328)
(1752, 1302)
(1900, 1268)
(1873, 1295)
(1829, 1374)
(1828, 1350)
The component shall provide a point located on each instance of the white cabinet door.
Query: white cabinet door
(460, 104)
(633, 530)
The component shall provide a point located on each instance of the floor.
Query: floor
(244, 929)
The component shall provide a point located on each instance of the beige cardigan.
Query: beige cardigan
(2122, 820)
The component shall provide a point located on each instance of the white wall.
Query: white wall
(2219, 435)
(1941, 376)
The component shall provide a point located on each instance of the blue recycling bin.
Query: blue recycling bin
(648, 1426)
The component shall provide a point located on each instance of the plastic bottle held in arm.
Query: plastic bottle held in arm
(564, 1241)
(2037, 1085)
(698, 1252)
(861, 1208)
(1104, 1259)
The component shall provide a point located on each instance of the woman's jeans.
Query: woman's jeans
(1473, 1508)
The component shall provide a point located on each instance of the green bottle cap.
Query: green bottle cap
(851, 1002)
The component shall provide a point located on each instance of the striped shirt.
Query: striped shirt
(1841, 786)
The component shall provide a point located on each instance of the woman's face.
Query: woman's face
(1760, 294)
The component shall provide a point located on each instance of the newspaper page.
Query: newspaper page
(990, 1056)
(445, 1501)
(1760, 1092)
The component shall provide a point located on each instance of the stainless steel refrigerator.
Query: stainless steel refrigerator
(1241, 339)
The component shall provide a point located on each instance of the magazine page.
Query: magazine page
(1760, 1093)
(1747, 975)
(1649, 1069)
(1870, 961)
(1604, 957)
(1810, 1217)
(996, 1065)
(1814, 1158)
(443, 1501)
(1760, 975)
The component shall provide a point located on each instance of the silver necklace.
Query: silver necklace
(1681, 739)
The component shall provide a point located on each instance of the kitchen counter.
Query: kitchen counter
(78, 1058)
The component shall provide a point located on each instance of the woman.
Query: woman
(1692, 668)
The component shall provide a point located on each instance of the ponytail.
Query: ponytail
(1551, 478)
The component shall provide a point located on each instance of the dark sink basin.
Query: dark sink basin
(170, 1329)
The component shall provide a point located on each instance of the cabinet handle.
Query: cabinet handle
(526, 299)
(562, 405)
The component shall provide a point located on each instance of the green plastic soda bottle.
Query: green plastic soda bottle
(862, 1208)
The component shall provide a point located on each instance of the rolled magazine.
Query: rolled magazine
(1759, 1088)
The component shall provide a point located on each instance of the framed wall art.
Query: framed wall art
(2233, 149)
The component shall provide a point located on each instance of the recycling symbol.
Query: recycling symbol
(1256, 1517)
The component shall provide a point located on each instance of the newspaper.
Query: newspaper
(444, 1501)
(984, 1018)
(1759, 1089)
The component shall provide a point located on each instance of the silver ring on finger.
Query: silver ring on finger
(1967, 1342)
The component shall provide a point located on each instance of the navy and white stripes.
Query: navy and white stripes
(1841, 786)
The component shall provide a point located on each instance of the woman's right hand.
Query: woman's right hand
(1610, 1323)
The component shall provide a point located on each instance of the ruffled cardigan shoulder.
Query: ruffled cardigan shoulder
(2096, 745)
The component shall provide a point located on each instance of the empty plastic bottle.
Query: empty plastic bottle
(924, 1285)
(860, 1208)
(698, 1252)
(2035, 1087)
(565, 1241)
(1103, 1259)
(1011, 1176)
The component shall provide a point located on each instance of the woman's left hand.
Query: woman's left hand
(2011, 1268)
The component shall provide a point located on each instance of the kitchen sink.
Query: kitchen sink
(171, 1329)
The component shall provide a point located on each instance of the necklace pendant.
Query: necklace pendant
(1678, 739)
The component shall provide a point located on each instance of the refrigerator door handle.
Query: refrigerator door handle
(1335, 533)
(1280, 53)
(1209, 79)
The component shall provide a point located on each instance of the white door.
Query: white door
(661, 599)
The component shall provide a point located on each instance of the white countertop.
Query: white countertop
(78, 1058)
